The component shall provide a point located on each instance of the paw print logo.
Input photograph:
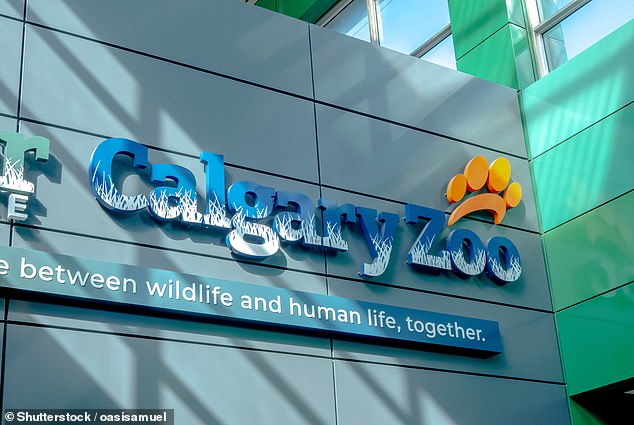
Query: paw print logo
(477, 173)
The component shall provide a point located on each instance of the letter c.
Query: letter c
(100, 174)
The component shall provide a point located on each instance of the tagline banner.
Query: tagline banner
(47, 273)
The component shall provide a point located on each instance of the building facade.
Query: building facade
(269, 119)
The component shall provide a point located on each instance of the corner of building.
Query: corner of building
(579, 125)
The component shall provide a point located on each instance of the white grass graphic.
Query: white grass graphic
(309, 231)
(283, 224)
(383, 248)
(109, 195)
(475, 267)
(259, 213)
(334, 240)
(507, 275)
(163, 207)
(269, 245)
(160, 205)
(243, 228)
(217, 215)
(419, 255)
(188, 206)
(13, 178)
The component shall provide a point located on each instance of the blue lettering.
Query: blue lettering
(100, 174)
(379, 241)
(216, 209)
(503, 260)
(250, 201)
(473, 262)
(332, 215)
(168, 203)
(419, 253)
(295, 226)
(249, 233)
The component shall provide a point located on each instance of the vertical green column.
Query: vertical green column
(491, 41)
(580, 127)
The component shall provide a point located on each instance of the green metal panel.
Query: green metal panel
(474, 21)
(582, 91)
(581, 416)
(306, 10)
(503, 58)
(268, 4)
(588, 170)
(523, 56)
(593, 253)
(597, 340)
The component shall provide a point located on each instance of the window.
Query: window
(351, 19)
(416, 27)
(564, 28)
(407, 24)
(442, 53)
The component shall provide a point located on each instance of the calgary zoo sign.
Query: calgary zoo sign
(256, 219)
(244, 210)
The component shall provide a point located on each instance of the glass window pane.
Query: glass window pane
(442, 54)
(548, 8)
(406, 24)
(352, 21)
(584, 28)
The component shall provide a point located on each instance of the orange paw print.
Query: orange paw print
(477, 173)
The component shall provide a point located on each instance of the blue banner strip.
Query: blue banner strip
(47, 273)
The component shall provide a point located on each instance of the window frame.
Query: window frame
(375, 26)
(539, 27)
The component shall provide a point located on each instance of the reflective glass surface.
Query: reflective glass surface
(442, 54)
(406, 24)
(584, 28)
(548, 8)
(352, 21)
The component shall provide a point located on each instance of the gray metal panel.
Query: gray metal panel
(186, 330)
(401, 88)
(529, 340)
(225, 36)
(374, 157)
(11, 53)
(5, 231)
(7, 124)
(378, 394)
(62, 181)
(143, 256)
(530, 290)
(104, 90)
(12, 8)
(203, 384)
